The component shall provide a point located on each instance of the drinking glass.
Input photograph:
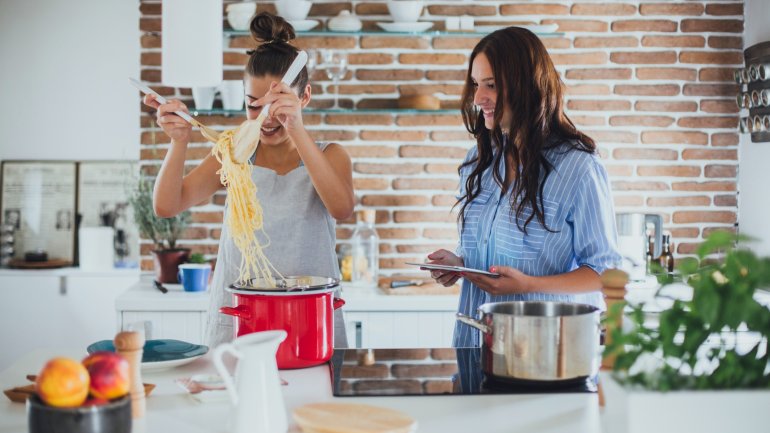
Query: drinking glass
(336, 64)
(312, 62)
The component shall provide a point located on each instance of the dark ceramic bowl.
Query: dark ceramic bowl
(113, 417)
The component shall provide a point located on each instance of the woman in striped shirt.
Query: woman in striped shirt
(535, 203)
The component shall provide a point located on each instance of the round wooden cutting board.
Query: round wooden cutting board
(352, 418)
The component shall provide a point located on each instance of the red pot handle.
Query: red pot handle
(337, 303)
(240, 311)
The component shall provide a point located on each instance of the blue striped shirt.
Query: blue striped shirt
(578, 209)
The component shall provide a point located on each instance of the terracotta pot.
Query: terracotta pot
(167, 264)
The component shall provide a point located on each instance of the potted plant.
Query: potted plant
(704, 365)
(164, 233)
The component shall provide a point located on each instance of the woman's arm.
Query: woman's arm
(512, 280)
(330, 170)
(174, 192)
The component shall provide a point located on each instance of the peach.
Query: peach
(109, 375)
(63, 382)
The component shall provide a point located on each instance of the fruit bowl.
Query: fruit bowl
(109, 417)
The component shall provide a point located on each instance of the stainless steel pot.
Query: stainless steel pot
(538, 341)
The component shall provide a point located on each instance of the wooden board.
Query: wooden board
(48, 264)
(352, 418)
(424, 289)
(428, 287)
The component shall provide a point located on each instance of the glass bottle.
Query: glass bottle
(666, 258)
(650, 254)
(365, 252)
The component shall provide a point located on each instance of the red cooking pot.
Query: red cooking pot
(302, 306)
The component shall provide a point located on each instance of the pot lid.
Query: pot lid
(290, 285)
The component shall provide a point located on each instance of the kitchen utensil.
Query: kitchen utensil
(159, 286)
(256, 388)
(210, 134)
(352, 418)
(527, 341)
(460, 269)
(260, 306)
(244, 148)
(129, 344)
(395, 284)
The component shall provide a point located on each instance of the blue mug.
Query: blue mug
(194, 276)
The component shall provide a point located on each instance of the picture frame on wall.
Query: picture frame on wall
(103, 191)
(38, 213)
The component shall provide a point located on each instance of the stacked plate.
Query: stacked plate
(406, 27)
(159, 354)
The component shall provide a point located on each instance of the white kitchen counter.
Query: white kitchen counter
(170, 410)
(143, 296)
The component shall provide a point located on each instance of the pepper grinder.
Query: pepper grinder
(130, 345)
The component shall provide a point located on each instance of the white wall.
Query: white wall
(754, 159)
(64, 91)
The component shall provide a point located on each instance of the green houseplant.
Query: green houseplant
(164, 232)
(715, 341)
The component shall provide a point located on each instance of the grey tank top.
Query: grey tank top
(301, 234)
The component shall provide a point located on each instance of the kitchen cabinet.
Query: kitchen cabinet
(371, 319)
(177, 314)
(58, 308)
(394, 329)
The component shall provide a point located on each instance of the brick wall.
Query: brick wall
(651, 82)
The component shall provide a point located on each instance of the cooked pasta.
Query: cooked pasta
(244, 219)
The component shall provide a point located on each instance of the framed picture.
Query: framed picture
(103, 191)
(38, 202)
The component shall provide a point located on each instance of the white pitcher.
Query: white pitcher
(256, 390)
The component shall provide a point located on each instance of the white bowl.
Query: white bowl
(244, 7)
(405, 11)
(293, 10)
(239, 20)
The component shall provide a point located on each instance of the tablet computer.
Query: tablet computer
(438, 267)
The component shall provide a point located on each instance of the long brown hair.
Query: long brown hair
(274, 54)
(528, 84)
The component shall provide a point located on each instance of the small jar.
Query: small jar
(365, 249)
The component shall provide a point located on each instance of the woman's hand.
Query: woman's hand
(448, 258)
(285, 106)
(511, 281)
(174, 126)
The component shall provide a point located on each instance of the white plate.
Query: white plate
(454, 269)
(534, 28)
(303, 25)
(406, 27)
(162, 365)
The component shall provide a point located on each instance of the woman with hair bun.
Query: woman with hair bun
(535, 204)
(303, 186)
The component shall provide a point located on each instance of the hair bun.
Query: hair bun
(266, 27)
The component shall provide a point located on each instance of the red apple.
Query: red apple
(109, 375)
(63, 382)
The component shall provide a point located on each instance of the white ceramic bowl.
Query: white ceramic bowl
(239, 14)
(405, 11)
(293, 10)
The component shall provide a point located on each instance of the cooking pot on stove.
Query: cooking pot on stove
(528, 341)
(303, 306)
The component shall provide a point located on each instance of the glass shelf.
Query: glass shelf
(235, 113)
(429, 33)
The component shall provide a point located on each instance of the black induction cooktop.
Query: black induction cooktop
(447, 371)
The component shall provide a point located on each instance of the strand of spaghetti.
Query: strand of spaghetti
(244, 217)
